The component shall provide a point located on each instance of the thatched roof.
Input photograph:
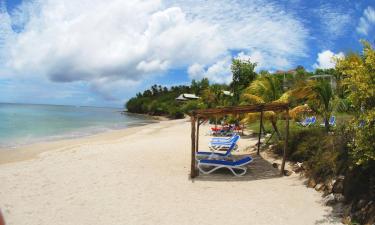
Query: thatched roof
(241, 109)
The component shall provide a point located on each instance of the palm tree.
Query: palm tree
(267, 88)
(318, 95)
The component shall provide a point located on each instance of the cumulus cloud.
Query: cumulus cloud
(367, 21)
(326, 59)
(126, 42)
(219, 72)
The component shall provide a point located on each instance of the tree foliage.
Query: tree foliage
(243, 72)
(359, 82)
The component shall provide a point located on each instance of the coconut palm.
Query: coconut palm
(318, 95)
(267, 88)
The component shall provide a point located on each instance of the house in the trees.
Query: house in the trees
(187, 97)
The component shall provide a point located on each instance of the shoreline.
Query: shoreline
(32, 150)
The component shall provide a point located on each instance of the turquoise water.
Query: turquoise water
(24, 124)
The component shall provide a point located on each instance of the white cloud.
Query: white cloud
(104, 42)
(334, 19)
(326, 59)
(219, 72)
(367, 21)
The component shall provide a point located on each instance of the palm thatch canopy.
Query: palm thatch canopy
(235, 110)
(241, 109)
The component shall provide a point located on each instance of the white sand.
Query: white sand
(142, 178)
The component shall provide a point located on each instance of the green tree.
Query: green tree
(243, 74)
(359, 82)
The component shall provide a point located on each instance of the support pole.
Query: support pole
(197, 136)
(260, 130)
(193, 171)
(285, 142)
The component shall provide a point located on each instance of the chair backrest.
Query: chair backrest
(231, 147)
(233, 137)
(332, 120)
(307, 120)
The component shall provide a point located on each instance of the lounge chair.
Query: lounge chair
(332, 121)
(312, 121)
(218, 145)
(305, 122)
(216, 155)
(308, 121)
(223, 139)
(231, 165)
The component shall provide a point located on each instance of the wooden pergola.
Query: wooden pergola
(197, 115)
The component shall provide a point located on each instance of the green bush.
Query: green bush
(324, 155)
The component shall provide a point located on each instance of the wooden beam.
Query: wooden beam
(260, 131)
(193, 171)
(285, 142)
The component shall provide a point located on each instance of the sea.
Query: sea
(22, 124)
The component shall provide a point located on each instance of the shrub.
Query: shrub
(324, 155)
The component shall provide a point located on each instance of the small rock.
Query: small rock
(328, 186)
(339, 197)
(319, 187)
(346, 220)
(361, 203)
(338, 186)
(329, 199)
(275, 165)
(311, 183)
(287, 172)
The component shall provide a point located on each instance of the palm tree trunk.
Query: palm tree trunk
(275, 128)
(326, 123)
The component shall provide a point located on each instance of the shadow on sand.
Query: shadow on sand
(258, 169)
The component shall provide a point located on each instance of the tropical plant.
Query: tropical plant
(266, 88)
(359, 82)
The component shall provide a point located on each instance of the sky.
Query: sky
(101, 53)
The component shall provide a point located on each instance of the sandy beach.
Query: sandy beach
(141, 176)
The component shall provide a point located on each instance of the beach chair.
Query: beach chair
(223, 139)
(219, 145)
(312, 121)
(216, 155)
(231, 165)
(332, 121)
(305, 122)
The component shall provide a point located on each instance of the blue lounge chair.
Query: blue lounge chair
(231, 165)
(308, 121)
(312, 121)
(332, 121)
(223, 139)
(305, 122)
(218, 145)
(216, 155)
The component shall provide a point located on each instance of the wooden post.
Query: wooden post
(260, 130)
(193, 171)
(285, 142)
(197, 136)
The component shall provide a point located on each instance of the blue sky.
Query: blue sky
(93, 52)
